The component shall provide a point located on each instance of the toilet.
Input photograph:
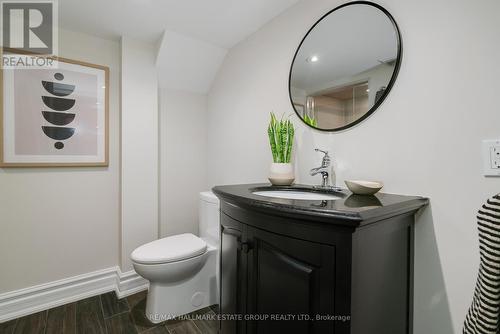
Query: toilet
(182, 269)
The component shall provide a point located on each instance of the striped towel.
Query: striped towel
(483, 315)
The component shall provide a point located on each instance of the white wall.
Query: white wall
(139, 135)
(181, 66)
(184, 80)
(183, 154)
(424, 139)
(61, 222)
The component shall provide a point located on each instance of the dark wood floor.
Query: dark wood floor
(105, 314)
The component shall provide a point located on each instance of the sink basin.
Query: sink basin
(304, 195)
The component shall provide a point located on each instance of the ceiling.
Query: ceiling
(222, 23)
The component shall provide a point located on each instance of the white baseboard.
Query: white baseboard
(129, 283)
(34, 299)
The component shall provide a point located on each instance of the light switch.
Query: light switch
(491, 157)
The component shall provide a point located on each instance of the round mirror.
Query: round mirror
(345, 66)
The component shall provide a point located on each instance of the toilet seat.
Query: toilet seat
(170, 249)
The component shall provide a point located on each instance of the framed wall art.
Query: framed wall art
(54, 117)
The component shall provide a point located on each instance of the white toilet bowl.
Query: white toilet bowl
(182, 269)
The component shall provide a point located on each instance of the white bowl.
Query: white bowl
(361, 187)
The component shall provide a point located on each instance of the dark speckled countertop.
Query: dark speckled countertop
(350, 209)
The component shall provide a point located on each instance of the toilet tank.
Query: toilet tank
(209, 218)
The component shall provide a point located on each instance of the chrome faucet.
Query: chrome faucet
(323, 169)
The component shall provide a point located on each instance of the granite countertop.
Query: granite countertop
(349, 209)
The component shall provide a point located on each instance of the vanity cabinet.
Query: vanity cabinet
(288, 276)
(275, 275)
(294, 271)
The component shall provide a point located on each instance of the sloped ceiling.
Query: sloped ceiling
(193, 35)
(223, 23)
(187, 64)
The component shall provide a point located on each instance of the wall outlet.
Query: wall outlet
(491, 157)
(495, 157)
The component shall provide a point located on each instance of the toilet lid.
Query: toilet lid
(169, 249)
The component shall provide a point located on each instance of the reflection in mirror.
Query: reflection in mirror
(345, 66)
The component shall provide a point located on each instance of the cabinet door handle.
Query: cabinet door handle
(245, 247)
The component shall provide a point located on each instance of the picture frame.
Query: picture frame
(55, 117)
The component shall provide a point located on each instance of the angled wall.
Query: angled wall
(186, 69)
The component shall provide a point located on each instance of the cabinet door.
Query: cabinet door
(289, 277)
(233, 275)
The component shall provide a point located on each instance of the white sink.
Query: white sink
(305, 195)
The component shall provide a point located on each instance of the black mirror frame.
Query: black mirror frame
(389, 85)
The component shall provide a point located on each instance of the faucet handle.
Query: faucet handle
(326, 158)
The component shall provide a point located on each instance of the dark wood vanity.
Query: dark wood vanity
(315, 266)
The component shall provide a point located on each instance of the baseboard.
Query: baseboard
(129, 283)
(27, 301)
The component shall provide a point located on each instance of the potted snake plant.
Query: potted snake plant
(281, 134)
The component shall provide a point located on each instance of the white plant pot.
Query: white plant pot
(281, 174)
